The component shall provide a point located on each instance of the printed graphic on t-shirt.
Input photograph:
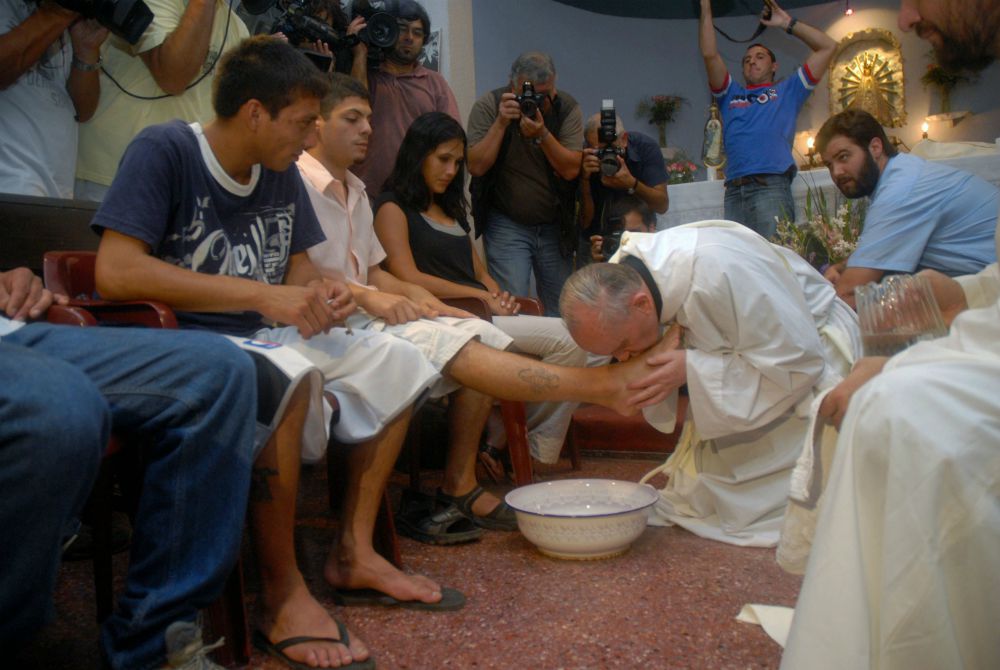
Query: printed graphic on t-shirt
(253, 245)
(761, 97)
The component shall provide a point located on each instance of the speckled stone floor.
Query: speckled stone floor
(669, 602)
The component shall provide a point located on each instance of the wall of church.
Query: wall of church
(625, 59)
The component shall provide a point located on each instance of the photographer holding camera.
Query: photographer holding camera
(49, 57)
(524, 156)
(167, 74)
(616, 165)
(401, 89)
(629, 214)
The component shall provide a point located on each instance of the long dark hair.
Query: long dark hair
(428, 132)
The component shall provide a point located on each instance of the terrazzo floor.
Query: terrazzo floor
(670, 602)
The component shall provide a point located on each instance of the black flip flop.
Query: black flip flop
(451, 600)
(277, 649)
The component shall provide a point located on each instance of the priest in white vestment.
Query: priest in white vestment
(763, 332)
(905, 565)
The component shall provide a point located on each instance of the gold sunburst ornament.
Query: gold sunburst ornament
(868, 74)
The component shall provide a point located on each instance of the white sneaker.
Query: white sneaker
(185, 648)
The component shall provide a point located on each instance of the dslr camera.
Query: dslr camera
(612, 238)
(127, 19)
(607, 133)
(529, 100)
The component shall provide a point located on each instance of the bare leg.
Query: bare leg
(353, 563)
(513, 377)
(467, 414)
(288, 609)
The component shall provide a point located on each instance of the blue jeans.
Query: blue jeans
(756, 205)
(514, 250)
(192, 398)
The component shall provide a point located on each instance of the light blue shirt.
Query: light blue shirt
(927, 215)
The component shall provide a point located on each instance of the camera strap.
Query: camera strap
(760, 29)
(760, 26)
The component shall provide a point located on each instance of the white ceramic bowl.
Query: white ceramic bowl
(582, 518)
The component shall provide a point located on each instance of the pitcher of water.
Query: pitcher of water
(896, 313)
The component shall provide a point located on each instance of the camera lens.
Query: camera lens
(529, 107)
(381, 30)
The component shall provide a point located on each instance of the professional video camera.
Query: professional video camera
(299, 21)
(607, 133)
(126, 18)
(529, 100)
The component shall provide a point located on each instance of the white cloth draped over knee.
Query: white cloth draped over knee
(903, 571)
(374, 376)
(764, 332)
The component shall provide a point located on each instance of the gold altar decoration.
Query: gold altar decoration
(867, 73)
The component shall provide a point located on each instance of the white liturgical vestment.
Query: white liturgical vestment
(905, 565)
(764, 333)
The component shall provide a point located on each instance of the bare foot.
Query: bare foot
(299, 614)
(372, 571)
(635, 368)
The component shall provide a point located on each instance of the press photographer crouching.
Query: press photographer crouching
(628, 215)
(616, 165)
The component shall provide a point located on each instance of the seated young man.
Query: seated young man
(922, 215)
(211, 221)
(399, 308)
(191, 397)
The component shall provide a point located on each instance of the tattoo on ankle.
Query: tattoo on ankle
(260, 489)
(539, 379)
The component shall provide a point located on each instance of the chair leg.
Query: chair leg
(516, 425)
(227, 617)
(573, 446)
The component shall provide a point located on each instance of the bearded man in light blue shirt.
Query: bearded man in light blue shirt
(922, 215)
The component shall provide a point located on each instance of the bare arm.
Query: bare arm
(565, 162)
(85, 87)
(179, 58)
(125, 270)
(21, 47)
(390, 226)
(822, 45)
(714, 65)
(483, 153)
(851, 278)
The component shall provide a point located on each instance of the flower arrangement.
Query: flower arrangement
(680, 169)
(830, 232)
(944, 81)
(660, 110)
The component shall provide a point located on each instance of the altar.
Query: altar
(702, 200)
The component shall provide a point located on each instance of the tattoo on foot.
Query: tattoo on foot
(260, 489)
(539, 379)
